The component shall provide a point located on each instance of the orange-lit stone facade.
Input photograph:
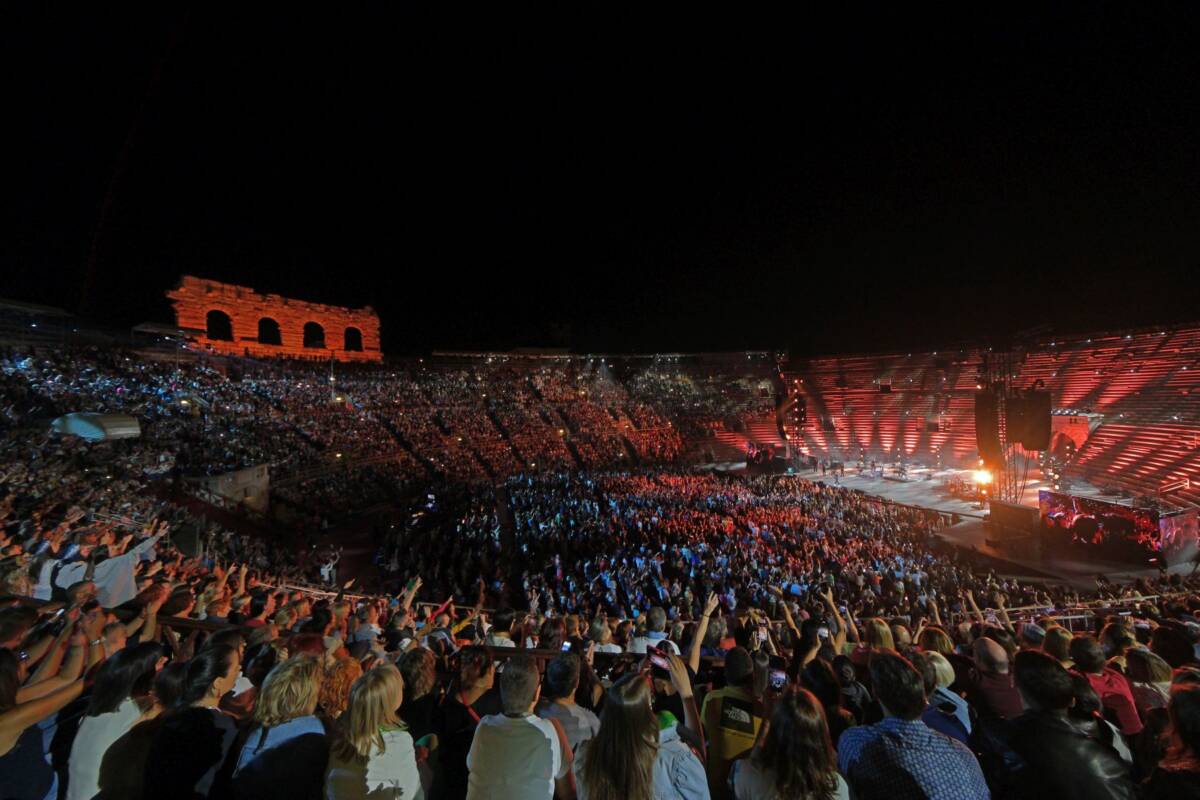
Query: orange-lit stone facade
(240, 321)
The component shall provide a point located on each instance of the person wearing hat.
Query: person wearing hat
(732, 717)
(1031, 637)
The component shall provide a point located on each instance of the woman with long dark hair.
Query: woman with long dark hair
(630, 758)
(553, 634)
(113, 710)
(195, 735)
(794, 759)
(123, 769)
(818, 677)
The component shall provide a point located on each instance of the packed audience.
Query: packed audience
(612, 632)
(672, 635)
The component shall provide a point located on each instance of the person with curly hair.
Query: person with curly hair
(340, 675)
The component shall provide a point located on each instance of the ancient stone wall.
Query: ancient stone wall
(233, 317)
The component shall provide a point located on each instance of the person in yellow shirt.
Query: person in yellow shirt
(732, 717)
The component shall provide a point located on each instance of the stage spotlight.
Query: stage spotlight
(982, 477)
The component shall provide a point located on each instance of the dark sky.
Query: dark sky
(817, 184)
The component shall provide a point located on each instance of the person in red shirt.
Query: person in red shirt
(1110, 685)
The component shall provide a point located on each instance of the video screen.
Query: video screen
(1090, 528)
(1181, 537)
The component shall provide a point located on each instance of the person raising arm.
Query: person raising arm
(710, 606)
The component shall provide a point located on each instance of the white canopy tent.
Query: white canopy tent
(98, 427)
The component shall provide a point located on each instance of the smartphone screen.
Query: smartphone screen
(778, 679)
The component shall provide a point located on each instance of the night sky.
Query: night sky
(872, 182)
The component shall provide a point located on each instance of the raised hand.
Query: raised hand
(156, 602)
(93, 623)
(679, 675)
(79, 637)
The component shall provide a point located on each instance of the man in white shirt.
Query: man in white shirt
(516, 755)
(656, 634)
(500, 634)
(558, 701)
(114, 577)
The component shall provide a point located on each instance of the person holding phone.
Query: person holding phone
(637, 753)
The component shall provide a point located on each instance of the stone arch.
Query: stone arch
(218, 325)
(314, 335)
(243, 309)
(353, 340)
(268, 332)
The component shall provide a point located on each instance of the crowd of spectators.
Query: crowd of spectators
(613, 632)
(692, 636)
(336, 440)
(700, 401)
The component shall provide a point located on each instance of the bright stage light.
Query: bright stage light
(982, 477)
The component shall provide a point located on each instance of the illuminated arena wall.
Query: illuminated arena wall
(240, 321)
(916, 405)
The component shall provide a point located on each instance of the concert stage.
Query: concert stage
(926, 488)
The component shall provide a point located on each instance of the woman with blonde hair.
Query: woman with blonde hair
(372, 753)
(1057, 643)
(933, 639)
(945, 711)
(287, 749)
(877, 636)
